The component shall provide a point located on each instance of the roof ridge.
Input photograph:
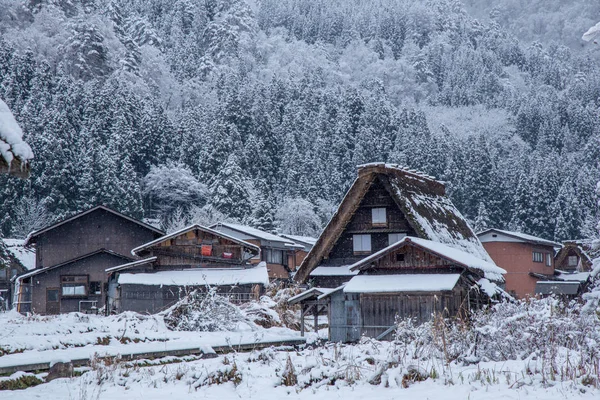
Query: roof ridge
(398, 167)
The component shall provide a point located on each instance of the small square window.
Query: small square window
(399, 257)
(95, 287)
(378, 216)
(572, 261)
(538, 257)
(361, 243)
(52, 295)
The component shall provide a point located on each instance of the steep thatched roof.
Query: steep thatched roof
(587, 250)
(421, 199)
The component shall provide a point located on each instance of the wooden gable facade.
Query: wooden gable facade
(575, 256)
(405, 280)
(79, 248)
(385, 204)
(194, 258)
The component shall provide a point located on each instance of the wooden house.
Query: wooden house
(71, 257)
(413, 278)
(279, 253)
(527, 259)
(576, 256)
(307, 244)
(385, 204)
(194, 258)
(15, 259)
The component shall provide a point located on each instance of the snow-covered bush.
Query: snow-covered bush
(205, 311)
(554, 335)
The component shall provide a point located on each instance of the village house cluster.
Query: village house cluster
(396, 247)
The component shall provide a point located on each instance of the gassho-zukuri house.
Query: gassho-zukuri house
(194, 258)
(396, 247)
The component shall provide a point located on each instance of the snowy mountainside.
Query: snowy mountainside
(259, 106)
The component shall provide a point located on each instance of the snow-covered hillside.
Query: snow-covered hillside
(261, 106)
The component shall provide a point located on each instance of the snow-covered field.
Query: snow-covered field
(535, 350)
(322, 372)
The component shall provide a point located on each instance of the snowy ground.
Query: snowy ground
(325, 372)
(370, 369)
(26, 340)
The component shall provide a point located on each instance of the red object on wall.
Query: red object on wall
(227, 255)
(206, 249)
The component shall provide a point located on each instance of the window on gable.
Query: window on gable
(361, 243)
(538, 256)
(378, 216)
(572, 261)
(395, 237)
(399, 257)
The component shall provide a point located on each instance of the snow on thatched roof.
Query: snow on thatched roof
(422, 200)
(15, 154)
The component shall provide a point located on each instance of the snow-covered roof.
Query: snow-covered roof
(575, 276)
(131, 264)
(312, 292)
(421, 199)
(200, 276)
(161, 239)
(341, 270)
(252, 232)
(486, 236)
(83, 257)
(15, 153)
(35, 234)
(25, 255)
(307, 241)
(401, 283)
(489, 269)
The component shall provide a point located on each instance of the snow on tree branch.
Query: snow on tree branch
(11, 137)
(592, 33)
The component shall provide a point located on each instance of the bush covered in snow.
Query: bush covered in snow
(205, 311)
(562, 341)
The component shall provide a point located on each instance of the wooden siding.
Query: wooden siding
(411, 258)
(361, 223)
(148, 299)
(380, 311)
(97, 230)
(92, 267)
(185, 250)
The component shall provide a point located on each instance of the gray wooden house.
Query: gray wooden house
(71, 257)
(413, 278)
(385, 203)
(194, 258)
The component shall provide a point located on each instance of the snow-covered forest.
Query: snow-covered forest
(259, 110)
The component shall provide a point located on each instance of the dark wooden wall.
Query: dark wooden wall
(150, 299)
(93, 266)
(97, 230)
(342, 252)
(186, 249)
